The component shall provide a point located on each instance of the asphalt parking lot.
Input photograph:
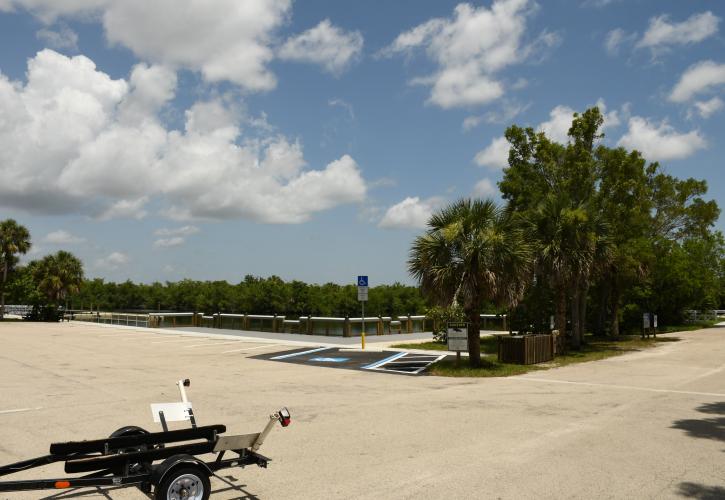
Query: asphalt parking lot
(381, 361)
(649, 424)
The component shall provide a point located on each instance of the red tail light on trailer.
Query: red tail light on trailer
(284, 417)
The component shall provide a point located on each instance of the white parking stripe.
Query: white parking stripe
(377, 364)
(614, 386)
(19, 410)
(176, 340)
(285, 356)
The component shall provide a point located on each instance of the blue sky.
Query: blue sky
(311, 139)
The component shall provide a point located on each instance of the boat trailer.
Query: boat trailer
(163, 464)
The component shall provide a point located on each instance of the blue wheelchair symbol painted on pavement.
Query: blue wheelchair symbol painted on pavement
(330, 360)
(362, 281)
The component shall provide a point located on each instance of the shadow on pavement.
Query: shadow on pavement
(700, 491)
(706, 428)
(107, 493)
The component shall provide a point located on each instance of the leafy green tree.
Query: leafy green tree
(472, 252)
(58, 276)
(14, 240)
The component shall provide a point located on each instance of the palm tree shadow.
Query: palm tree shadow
(706, 428)
(700, 491)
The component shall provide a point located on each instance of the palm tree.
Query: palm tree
(571, 247)
(472, 252)
(14, 240)
(59, 276)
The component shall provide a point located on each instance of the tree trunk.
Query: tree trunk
(2, 295)
(602, 313)
(575, 320)
(560, 317)
(474, 339)
(614, 329)
(583, 312)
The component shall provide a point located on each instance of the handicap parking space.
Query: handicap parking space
(396, 362)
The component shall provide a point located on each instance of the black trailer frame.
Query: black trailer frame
(127, 457)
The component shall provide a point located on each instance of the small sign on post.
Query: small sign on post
(362, 297)
(457, 338)
(645, 321)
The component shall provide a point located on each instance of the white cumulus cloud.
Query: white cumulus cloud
(660, 141)
(469, 48)
(174, 241)
(112, 261)
(699, 78)
(707, 108)
(485, 189)
(495, 156)
(177, 231)
(125, 209)
(50, 10)
(696, 28)
(173, 237)
(225, 40)
(63, 237)
(327, 45)
(615, 39)
(74, 140)
(63, 38)
(412, 212)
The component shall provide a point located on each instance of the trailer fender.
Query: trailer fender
(164, 468)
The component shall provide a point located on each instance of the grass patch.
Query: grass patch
(489, 368)
(687, 328)
(594, 349)
(489, 345)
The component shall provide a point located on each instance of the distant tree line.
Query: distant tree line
(252, 295)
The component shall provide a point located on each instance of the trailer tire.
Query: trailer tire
(185, 482)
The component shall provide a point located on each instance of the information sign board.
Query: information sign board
(458, 336)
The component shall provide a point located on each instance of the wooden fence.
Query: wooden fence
(525, 349)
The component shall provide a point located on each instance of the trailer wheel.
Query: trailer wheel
(188, 482)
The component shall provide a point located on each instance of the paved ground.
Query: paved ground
(644, 425)
(377, 341)
(393, 362)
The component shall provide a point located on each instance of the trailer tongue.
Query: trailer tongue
(164, 463)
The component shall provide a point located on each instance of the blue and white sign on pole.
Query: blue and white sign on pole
(362, 296)
(362, 288)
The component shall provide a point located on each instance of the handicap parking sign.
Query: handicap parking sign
(362, 281)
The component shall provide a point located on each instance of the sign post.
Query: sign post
(362, 296)
(457, 338)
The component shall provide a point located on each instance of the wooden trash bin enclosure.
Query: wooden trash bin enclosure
(525, 349)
